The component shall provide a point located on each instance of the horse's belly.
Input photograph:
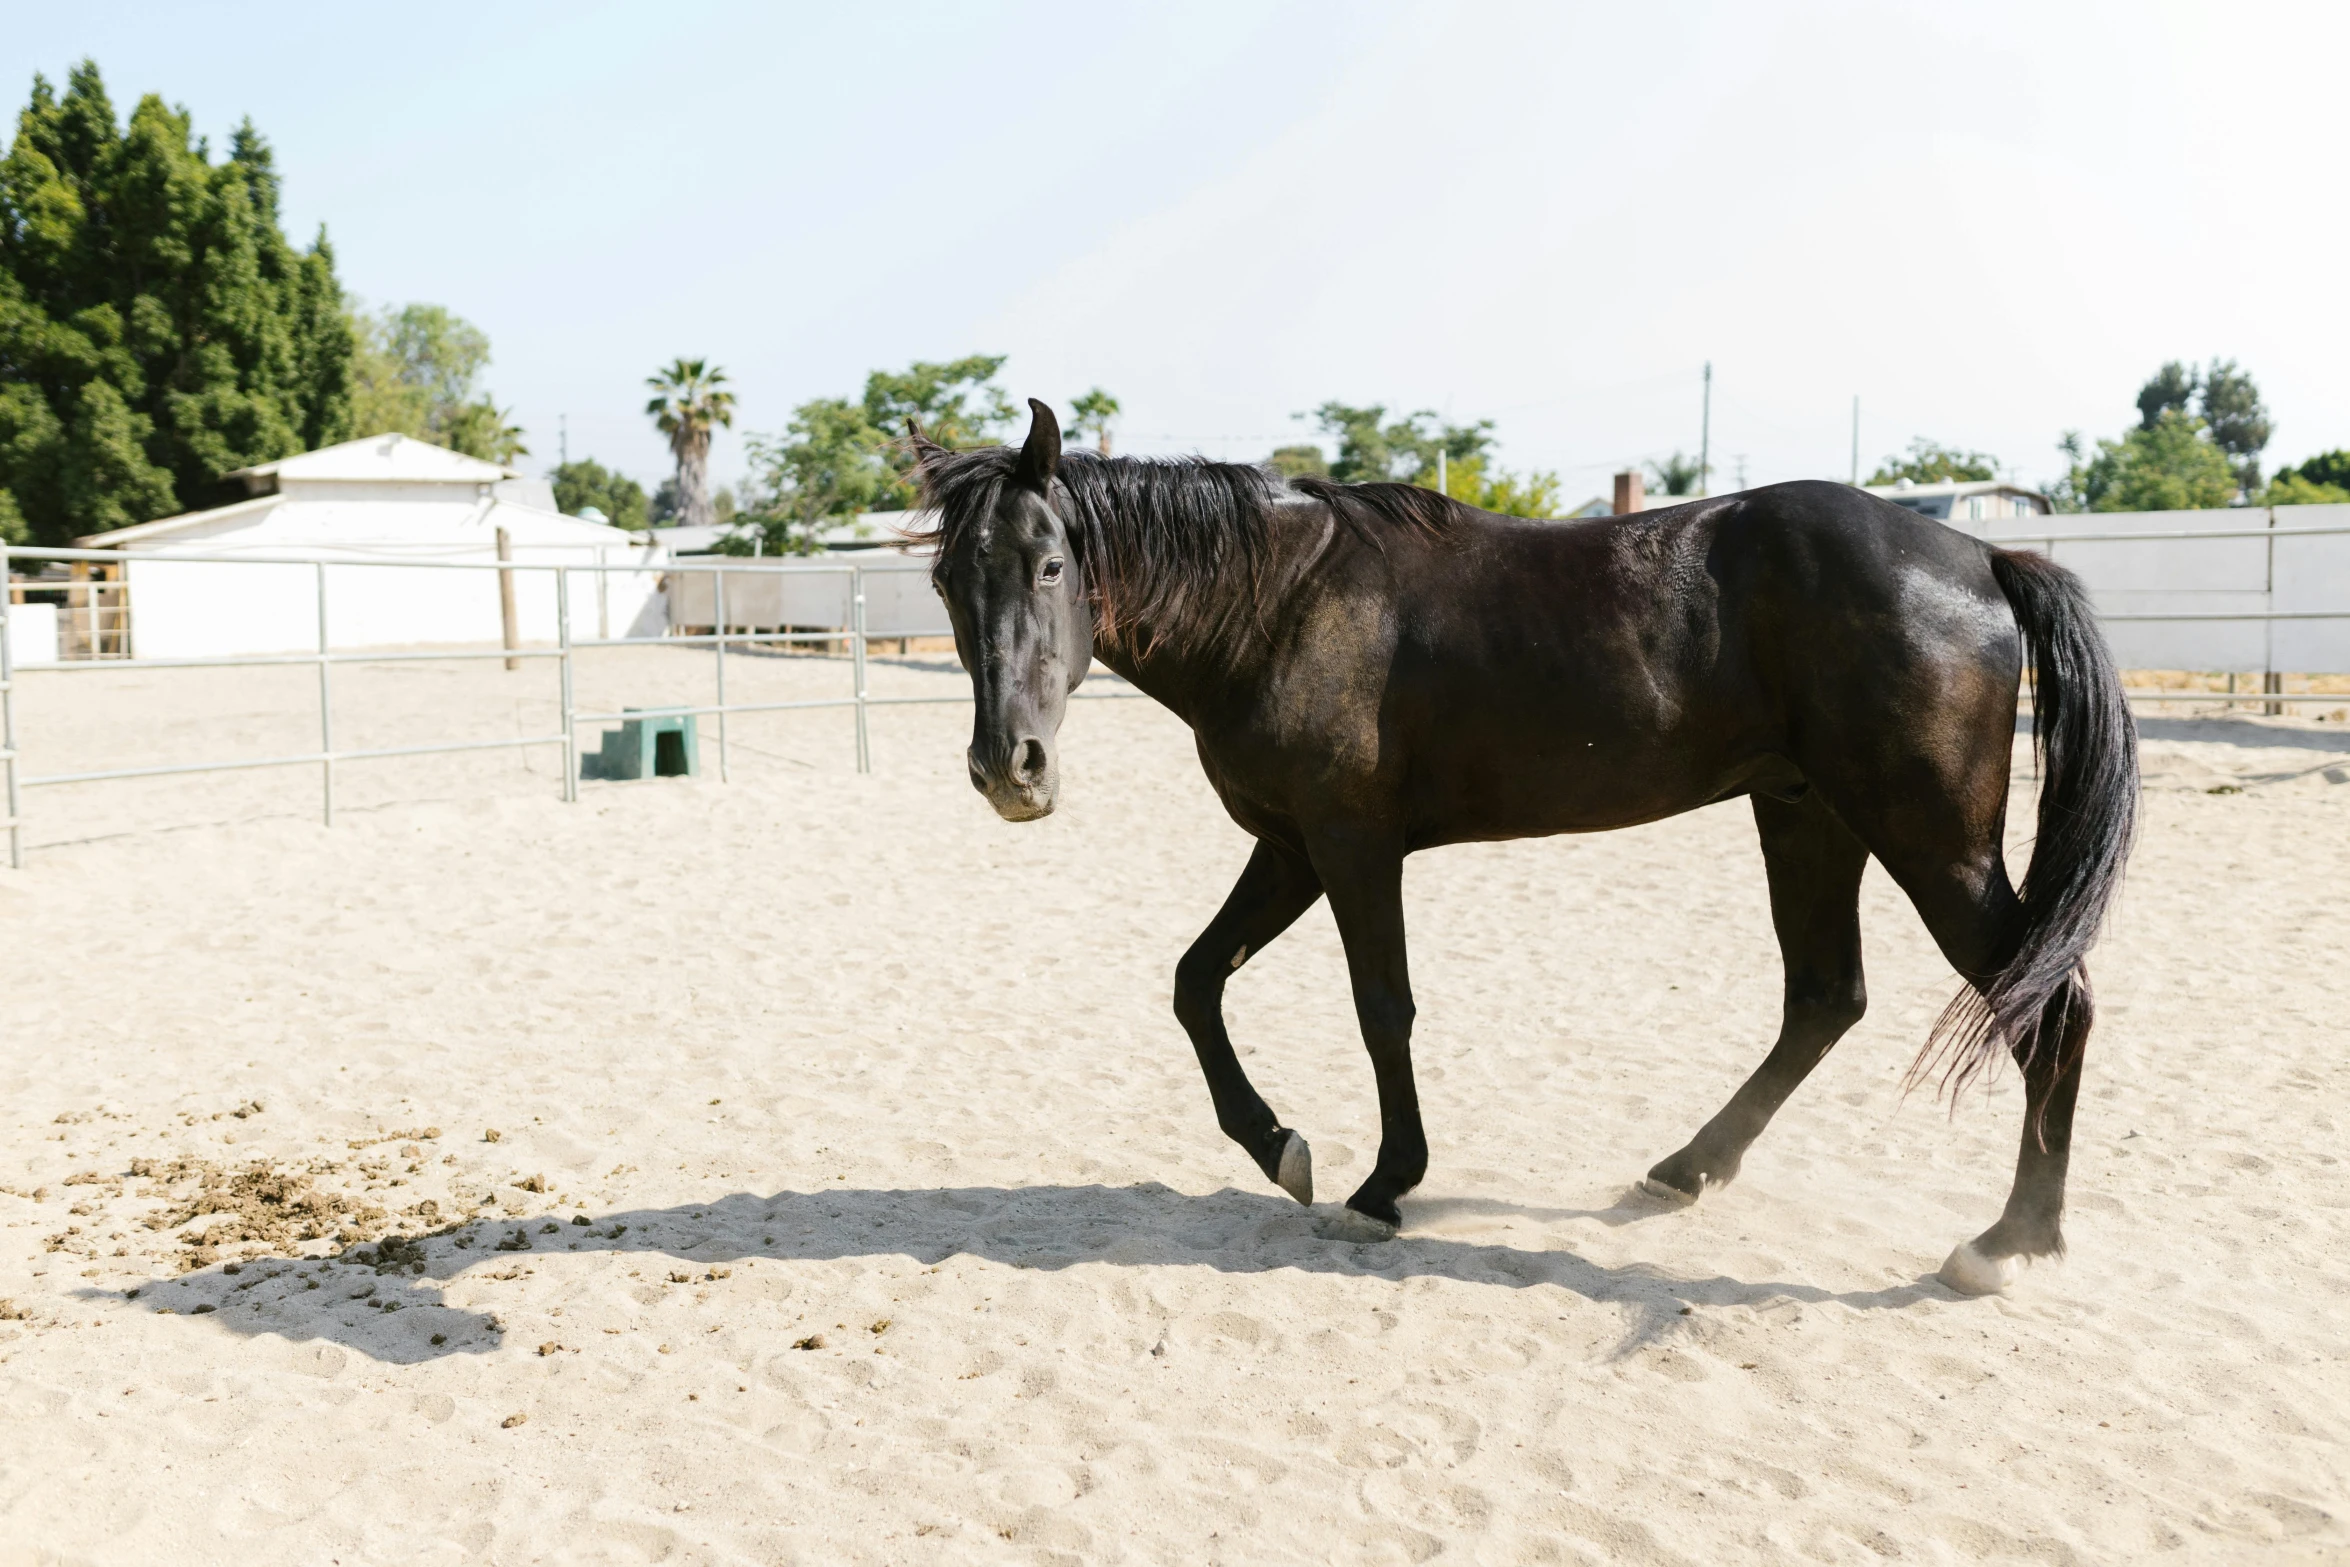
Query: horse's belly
(1512, 777)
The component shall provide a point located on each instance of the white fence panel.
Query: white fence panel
(900, 602)
(2250, 576)
(814, 595)
(207, 609)
(32, 633)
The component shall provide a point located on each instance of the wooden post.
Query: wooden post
(2272, 679)
(506, 597)
(1629, 498)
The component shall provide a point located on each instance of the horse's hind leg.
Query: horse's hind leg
(2033, 1223)
(1272, 892)
(1970, 908)
(1815, 864)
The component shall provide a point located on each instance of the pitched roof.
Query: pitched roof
(381, 459)
(1954, 487)
(115, 537)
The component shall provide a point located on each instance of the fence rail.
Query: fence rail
(325, 659)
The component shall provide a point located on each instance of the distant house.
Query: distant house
(388, 496)
(1964, 500)
(1630, 495)
(869, 530)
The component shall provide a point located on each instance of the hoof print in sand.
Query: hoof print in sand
(1652, 1187)
(1349, 1225)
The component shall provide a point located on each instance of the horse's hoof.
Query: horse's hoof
(1349, 1224)
(1672, 1194)
(1297, 1170)
(1971, 1273)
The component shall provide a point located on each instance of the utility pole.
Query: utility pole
(1741, 470)
(563, 439)
(1443, 485)
(1705, 435)
(1856, 439)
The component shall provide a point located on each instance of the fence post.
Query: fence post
(857, 650)
(8, 711)
(326, 710)
(718, 597)
(563, 641)
(2272, 679)
(506, 615)
(603, 596)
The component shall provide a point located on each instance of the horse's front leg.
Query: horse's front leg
(1272, 892)
(1364, 878)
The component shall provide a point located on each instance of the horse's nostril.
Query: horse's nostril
(1028, 766)
(978, 778)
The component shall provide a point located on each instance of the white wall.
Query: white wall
(2205, 576)
(32, 634)
(196, 609)
(899, 601)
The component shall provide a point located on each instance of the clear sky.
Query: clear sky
(1989, 221)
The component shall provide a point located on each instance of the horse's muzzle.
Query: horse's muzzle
(1020, 785)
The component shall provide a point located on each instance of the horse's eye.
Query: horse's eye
(1052, 571)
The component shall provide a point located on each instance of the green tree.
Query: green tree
(2170, 390)
(2325, 468)
(1930, 462)
(1094, 412)
(483, 429)
(829, 464)
(956, 402)
(2293, 490)
(1299, 462)
(157, 328)
(1404, 450)
(2234, 418)
(1512, 495)
(2238, 421)
(416, 366)
(690, 401)
(1676, 475)
(416, 372)
(579, 485)
(2323, 480)
(2172, 467)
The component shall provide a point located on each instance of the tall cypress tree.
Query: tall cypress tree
(157, 329)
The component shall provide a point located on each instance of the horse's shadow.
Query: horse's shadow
(345, 1299)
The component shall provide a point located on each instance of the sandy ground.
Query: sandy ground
(809, 1170)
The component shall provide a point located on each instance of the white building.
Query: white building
(387, 497)
(1964, 500)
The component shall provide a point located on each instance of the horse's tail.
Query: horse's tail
(2086, 745)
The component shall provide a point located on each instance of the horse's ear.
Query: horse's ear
(924, 447)
(1040, 457)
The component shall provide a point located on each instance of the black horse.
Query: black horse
(1373, 669)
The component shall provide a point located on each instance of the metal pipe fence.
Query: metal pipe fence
(324, 658)
(860, 698)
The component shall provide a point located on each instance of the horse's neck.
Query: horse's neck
(1175, 678)
(1186, 667)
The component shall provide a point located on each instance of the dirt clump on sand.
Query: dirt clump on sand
(259, 1203)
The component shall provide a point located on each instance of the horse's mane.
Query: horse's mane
(1155, 536)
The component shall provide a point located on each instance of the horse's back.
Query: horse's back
(1566, 676)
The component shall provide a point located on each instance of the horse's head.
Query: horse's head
(1023, 623)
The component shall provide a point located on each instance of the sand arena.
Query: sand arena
(810, 1169)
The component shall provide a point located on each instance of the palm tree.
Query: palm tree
(1676, 475)
(1094, 411)
(689, 404)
